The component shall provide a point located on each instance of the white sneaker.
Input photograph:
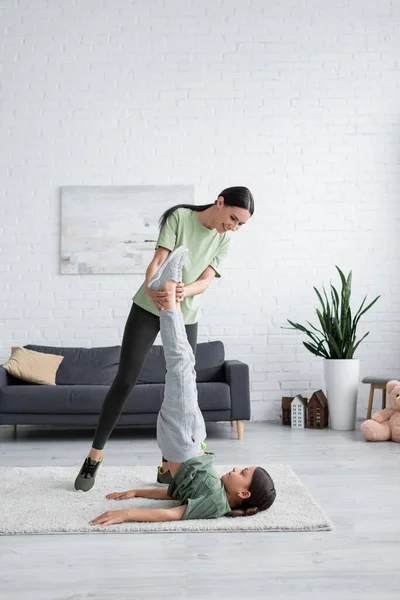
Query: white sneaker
(171, 270)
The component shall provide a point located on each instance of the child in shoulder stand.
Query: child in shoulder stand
(181, 432)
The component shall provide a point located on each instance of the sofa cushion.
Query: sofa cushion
(148, 398)
(35, 367)
(98, 366)
(153, 369)
(81, 399)
(210, 358)
(84, 366)
(66, 399)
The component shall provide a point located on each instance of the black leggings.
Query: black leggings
(141, 330)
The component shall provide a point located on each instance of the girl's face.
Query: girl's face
(237, 482)
(229, 218)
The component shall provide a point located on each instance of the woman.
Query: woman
(204, 231)
(180, 436)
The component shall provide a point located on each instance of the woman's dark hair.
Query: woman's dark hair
(238, 196)
(262, 492)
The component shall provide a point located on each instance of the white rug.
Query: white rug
(41, 500)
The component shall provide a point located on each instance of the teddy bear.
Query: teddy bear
(385, 424)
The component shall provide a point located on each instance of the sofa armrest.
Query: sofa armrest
(3, 377)
(237, 377)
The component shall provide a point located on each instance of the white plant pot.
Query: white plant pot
(341, 380)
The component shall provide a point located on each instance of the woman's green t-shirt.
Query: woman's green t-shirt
(206, 248)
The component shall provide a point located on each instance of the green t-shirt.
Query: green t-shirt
(206, 248)
(199, 486)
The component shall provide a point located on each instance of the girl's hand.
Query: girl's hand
(180, 291)
(157, 297)
(121, 495)
(111, 517)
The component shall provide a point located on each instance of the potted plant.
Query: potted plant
(335, 341)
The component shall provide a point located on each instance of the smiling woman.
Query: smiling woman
(205, 230)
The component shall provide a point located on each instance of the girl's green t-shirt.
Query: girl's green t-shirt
(206, 248)
(197, 484)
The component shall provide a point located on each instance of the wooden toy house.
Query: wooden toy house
(317, 411)
(298, 412)
(286, 410)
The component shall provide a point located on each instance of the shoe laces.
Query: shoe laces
(89, 468)
(176, 273)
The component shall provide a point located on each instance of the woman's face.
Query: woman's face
(229, 218)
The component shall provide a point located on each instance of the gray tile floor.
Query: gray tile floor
(356, 483)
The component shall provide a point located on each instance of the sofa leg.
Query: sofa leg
(14, 430)
(233, 423)
(240, 429)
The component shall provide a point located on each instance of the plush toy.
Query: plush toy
(385, 424)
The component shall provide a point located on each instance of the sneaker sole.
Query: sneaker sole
(178, 252)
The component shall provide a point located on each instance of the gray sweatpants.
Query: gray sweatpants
(180, 424)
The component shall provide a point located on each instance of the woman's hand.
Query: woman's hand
(121, 495)
(111, 517)
(180, 292)
(157, 297)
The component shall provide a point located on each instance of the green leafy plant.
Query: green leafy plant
(336, 339)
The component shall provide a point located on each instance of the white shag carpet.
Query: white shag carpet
(41, 500)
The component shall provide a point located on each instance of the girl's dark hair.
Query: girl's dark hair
(262, 492)
(233, 196)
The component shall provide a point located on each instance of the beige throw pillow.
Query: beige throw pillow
(36, 367)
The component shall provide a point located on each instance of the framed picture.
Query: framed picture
(113, 229)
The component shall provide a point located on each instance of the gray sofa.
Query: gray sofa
(86, 374)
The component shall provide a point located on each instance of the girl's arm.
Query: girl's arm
(149, 515)
(152, 493)
(200, 285)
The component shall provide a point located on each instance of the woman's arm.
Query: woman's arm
(159, 258)
(149, 515)
(200, 285)
(152, 493)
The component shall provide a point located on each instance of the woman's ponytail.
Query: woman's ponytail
(238, 196)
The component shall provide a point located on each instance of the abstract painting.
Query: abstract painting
(113, 229)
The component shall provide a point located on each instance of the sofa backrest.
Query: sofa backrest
(84, 366)
(98, 366)
(210, 358)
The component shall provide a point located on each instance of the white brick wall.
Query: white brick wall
(297, 100)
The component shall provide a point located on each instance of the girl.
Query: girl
(204, 230)
(181, 433)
